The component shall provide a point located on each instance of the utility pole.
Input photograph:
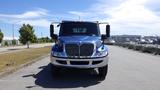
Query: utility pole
(13, 30)
(79, 17)
(41, 35)
(13, 26)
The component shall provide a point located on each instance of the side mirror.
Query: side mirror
(51, 30)
(103, 37)
(52, 35)
(107, 35)
(108, 31)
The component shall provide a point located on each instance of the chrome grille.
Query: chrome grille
(75, 50)
(86, 49)
(72, 49)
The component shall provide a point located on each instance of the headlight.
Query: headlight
(57, 54)
(57, 50)
(101, 52)
(58, 47)
(59, 43)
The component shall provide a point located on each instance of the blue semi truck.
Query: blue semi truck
(80, 45)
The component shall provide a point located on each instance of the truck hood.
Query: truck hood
(80, 39)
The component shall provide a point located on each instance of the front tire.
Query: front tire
(103, 71)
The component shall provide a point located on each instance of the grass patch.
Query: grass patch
(14, 59)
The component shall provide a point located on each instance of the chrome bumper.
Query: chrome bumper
(79, 63)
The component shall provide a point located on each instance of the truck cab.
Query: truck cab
(79, 45)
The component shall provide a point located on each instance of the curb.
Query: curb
(12, 70)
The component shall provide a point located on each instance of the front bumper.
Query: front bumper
(79, 63)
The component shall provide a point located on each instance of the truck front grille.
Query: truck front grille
(76, 50)
(86, 49)
(72, 49)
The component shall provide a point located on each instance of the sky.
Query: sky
(133, 17)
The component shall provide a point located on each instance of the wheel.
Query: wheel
(55, 70)
(103, 71)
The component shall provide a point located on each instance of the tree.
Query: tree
(14, 42)
(5, 43)
(44, 40)
(1, 36)
(27, 35)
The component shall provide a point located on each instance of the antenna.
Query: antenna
(79, 17)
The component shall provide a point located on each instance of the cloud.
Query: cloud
(133, 15)
(127, 16)
(38, 22)
(133, 11)
(28, 14)
(38, 17)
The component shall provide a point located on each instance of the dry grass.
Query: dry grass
(14, 59)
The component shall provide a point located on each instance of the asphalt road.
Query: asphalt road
(128, 70)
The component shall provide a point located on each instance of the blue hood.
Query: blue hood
(81, 39)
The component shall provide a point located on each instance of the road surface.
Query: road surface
(128, 70)
(16, 48)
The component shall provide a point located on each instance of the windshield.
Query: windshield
(79, 28)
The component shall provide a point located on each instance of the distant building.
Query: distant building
(126, 38)
(152, 39)
(7, 41)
